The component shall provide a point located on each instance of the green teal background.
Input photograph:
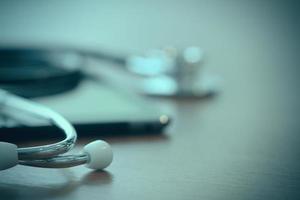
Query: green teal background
(253, 45)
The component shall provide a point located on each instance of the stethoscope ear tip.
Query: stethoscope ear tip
(100, 154)
(8, 155)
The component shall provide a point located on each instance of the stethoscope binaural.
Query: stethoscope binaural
(96, 155)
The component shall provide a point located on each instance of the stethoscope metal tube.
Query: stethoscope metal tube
(50, 155)
(58, 161)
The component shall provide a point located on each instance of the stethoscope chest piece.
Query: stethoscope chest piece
(172, 72)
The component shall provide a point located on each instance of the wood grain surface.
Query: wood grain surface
(241, 144)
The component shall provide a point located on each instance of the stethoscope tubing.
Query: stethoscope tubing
(44, 155)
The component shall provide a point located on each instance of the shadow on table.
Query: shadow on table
(22, 191)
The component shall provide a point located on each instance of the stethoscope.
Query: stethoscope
(96, 155)
(167, 72)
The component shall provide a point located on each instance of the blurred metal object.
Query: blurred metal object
(173, 72)
(34, 72)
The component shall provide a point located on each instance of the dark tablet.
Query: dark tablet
(94, 109)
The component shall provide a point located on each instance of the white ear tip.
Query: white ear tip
(8, 155)
(100, 154)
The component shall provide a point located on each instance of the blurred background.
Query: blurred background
(253, 46)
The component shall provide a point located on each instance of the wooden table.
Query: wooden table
(242, 144)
